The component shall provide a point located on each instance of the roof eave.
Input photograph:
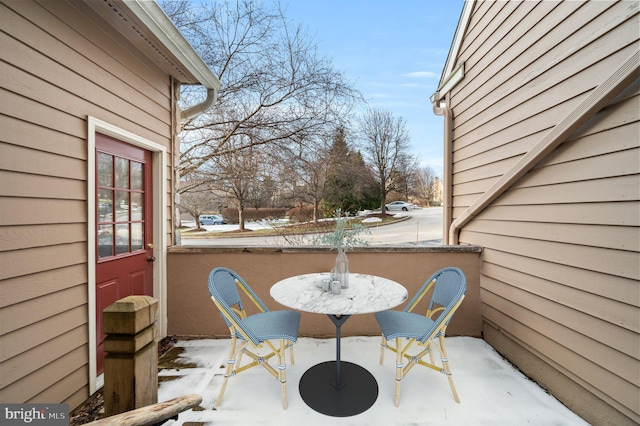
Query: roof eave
(166, 32)
(451, 74)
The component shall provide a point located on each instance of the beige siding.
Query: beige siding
(59, 64)
(561, 248)
(495, 125)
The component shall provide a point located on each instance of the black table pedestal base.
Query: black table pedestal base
(357, 391)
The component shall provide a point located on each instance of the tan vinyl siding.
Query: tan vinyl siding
(561, 247)
(41, 355)
(82, 87)
(59, 63)
(495, 125)
(28, 287)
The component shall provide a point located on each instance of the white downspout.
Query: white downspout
(445, 111)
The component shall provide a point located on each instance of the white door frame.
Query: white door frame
(159, 182)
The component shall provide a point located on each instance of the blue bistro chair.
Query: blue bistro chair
(419, 332)
(252, 331)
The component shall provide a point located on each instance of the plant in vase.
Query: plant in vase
(342, 239)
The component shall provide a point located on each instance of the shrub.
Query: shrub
(230, 214)
(302, 214)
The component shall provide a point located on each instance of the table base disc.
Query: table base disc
(357, 394)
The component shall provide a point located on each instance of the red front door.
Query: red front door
(124, 243)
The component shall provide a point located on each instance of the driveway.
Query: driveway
(421, 227)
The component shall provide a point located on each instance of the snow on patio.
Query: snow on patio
(491, 391)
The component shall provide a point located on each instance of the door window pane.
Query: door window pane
(122, 173)
(105, 169)
(105, 205)
(122, 206)
(136, 176)
(122, 238)
(136, 207)
(105, 241)
(137, 236)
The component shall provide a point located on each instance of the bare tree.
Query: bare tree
(385, 142)
(275, 87)
(311, 174)
(429, 186)
(404, 178)
(237, 174)
(201, 198)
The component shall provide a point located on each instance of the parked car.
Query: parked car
(401, 205)
(211, 219)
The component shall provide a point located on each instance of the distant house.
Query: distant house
(540, 103)
(88, 144)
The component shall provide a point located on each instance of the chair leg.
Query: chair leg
(229, 370)
(291, 354)
(383, 345)
(239, 358)
(429, 346)
(399, 370)
(282, 372)
(447, 371)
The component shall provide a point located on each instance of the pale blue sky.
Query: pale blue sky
(394, 51)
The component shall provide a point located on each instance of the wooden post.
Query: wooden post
(131, 364)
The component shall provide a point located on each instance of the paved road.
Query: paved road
(422, 227)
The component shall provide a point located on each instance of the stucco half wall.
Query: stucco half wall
(192, 313)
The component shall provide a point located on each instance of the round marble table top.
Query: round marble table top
(366, 294)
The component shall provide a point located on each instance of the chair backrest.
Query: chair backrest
(451, 284)
(450, 288)
(223, 289)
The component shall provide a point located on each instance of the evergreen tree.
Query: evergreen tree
(350, 185)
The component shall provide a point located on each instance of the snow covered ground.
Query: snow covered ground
(491, 391)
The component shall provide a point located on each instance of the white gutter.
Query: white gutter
(465, 16)
(596, 100)
(452, 80)
(200, 108)
(161, 26)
